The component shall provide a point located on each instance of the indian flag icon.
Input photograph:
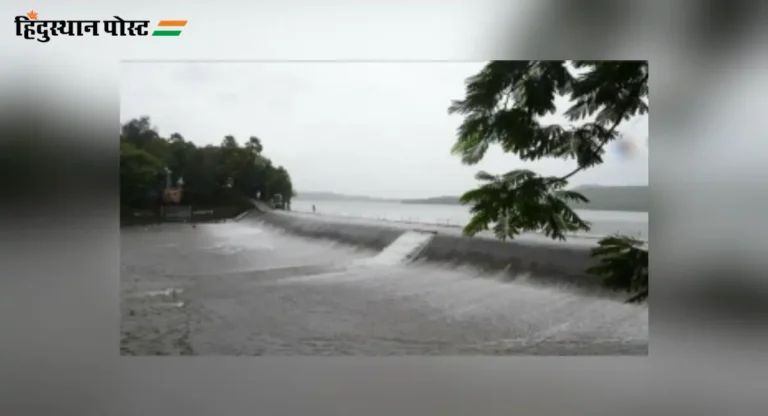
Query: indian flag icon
(169, 28)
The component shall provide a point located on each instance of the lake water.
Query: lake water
(603, 222)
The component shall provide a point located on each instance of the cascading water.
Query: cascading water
(405, 249)
(275, 293)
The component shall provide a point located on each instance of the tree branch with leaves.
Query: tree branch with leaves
(504, 105)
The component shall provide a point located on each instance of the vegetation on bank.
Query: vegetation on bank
(504, 104)
(226, 175)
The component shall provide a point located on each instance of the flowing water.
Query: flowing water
(244, 289)
(403, 250)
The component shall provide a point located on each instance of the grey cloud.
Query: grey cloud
(379, 129)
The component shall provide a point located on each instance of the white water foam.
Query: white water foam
(165, 292)
(403, 250)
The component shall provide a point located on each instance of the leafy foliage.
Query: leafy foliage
(206, 170)
(139, 171)
(507, 103)
(519, 201)
(623, 263)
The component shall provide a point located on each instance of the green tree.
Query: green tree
(254, 144)
(139, 132)
(281, 184)
(229, 142)
(505, 104)
(206, 170)
(266, 176)
(140, 173)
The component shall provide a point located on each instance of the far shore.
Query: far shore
(422, 202)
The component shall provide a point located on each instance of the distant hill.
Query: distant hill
(609, 198)
(330, 196)
(440, 200)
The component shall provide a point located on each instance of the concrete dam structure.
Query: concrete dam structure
(545, 261)
(281, 283)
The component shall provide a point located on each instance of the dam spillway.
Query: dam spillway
(278, 284)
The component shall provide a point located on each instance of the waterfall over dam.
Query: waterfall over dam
(283, 284)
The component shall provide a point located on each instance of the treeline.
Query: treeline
(213, 176)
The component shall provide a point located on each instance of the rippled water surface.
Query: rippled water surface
(241, 289)
(602, 222)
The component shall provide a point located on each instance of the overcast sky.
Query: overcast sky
(377, 129)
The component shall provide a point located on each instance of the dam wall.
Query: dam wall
(554, 262)
(372, 237)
